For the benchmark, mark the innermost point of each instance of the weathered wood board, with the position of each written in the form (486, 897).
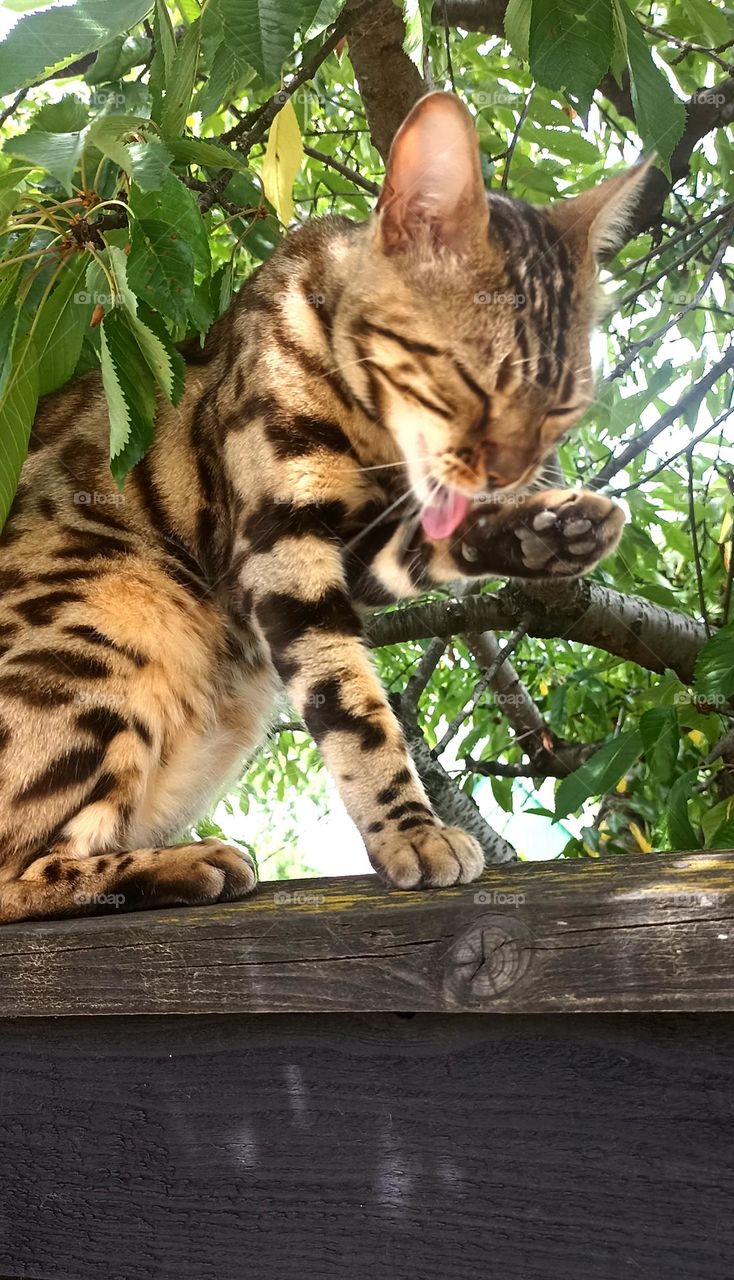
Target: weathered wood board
(647, 933)
(372, 1147)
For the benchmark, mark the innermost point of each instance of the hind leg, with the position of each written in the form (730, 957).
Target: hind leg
(60, 885)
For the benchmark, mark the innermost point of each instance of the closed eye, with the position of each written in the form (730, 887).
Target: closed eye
(441, 410)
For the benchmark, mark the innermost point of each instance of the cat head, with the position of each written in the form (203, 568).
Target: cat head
(466, 329)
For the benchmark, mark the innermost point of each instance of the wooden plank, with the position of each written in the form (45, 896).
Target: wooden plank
(647, 933)
(375, 1147)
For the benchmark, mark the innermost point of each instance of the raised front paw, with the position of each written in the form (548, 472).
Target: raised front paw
(431, 858)
(567, 532)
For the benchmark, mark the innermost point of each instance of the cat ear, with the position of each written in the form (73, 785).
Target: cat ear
(434, 182)
(600, 219)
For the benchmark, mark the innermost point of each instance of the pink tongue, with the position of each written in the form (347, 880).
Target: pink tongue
(444, 513)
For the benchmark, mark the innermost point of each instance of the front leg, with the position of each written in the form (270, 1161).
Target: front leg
(315, 638)
(555, 532)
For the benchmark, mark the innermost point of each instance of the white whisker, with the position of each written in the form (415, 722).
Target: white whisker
(379, 519)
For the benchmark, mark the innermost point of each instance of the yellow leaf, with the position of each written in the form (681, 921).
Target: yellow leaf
(590, 853)
(642, 842)
(283, 159)
(622, 786)
(543, 687)
(726, 528)
(697, 738)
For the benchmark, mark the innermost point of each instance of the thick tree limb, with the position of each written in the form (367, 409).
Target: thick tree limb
(627, 626)
(389, 82)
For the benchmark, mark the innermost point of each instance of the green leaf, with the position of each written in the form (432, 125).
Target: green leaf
(223, 74)
(17, 409)
(517, 26)
(150, 163)
(8, 200)
(598, 774)
(57, 153)
(180, 83)
(164, 45)
(659, 114)
(570, 45)
(160, 269)
(109, 135)
(705, 17)
(681, 834)
(59, 329)
(204, 152)
(129, 388)
(165, 36)
(714, 818)
(261, 32)
(714, 673)
(151, 335)
(44, 41)
(115, 59)
(723, 837)
(177, 207)
(660, 737)
(68, 115)
(164, 361)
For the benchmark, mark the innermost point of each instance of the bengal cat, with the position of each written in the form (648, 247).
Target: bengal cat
(363, 424)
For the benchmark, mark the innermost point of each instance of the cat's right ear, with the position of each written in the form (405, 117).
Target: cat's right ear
(433, 188)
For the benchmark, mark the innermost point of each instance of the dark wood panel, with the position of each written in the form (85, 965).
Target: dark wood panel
(369, 1147)
(641, 934)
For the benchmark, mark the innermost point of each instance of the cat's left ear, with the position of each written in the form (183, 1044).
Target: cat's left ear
(434, 188)
(599, 219)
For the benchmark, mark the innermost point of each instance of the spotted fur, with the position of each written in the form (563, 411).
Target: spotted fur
(445, 342)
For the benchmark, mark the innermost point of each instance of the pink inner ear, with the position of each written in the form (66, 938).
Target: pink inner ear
(434, 177)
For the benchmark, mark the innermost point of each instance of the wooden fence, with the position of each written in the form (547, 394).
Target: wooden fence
(318, 1081)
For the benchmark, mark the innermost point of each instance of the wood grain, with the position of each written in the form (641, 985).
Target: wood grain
(634, 934)
(368, 1147)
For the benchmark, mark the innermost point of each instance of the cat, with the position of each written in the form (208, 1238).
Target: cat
(366, 422)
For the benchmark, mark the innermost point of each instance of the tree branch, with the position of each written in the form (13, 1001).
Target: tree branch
(484, 680)
(628, 626)
(389, 83)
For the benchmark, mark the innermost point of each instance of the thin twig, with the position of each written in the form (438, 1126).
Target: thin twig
(4, 115)
(458, 720)
(689, 401)
(694, 542)
(352, 174)
(515, 136)
(688, 47)
(650, 475)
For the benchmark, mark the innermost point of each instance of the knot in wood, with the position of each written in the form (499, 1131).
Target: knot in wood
(487, 959)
